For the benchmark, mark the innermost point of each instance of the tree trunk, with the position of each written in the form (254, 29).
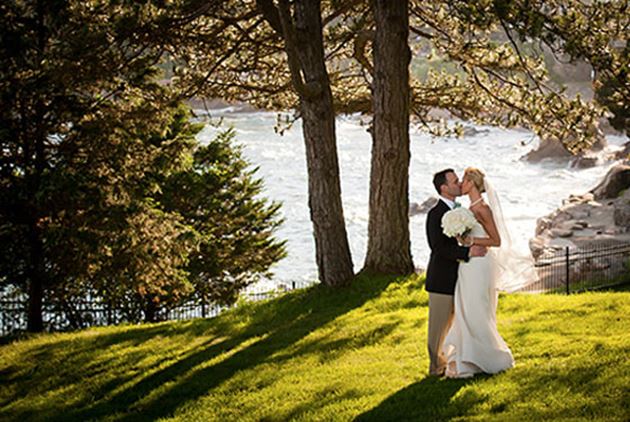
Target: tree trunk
(38, 276)
(34, 171)
(150, 310)
(334, 261)
(389, 250)
(35, 321)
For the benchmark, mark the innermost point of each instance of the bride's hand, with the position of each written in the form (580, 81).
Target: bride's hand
(465, 240)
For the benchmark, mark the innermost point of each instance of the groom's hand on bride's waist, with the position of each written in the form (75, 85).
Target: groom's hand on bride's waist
(477, 250)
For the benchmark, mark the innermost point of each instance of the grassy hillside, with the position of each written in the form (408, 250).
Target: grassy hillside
(318, 354)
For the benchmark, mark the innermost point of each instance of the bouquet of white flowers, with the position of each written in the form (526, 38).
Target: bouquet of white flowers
(458, 222)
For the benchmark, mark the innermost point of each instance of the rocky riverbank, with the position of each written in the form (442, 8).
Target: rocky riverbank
(601, 215)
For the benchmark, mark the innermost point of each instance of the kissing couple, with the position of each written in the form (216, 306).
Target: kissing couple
(464, 274)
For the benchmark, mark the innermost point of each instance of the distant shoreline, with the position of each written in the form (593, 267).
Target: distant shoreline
(242, 107)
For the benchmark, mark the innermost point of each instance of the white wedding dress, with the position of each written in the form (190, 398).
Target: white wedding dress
(473, 344)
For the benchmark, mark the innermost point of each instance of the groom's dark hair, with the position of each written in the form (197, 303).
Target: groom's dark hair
(439, 179)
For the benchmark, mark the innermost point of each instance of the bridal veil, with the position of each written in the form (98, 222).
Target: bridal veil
(515, 269)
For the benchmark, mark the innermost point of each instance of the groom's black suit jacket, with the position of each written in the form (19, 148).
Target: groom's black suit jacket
(445, 254)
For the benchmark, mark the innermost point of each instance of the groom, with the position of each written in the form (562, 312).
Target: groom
(443, 265)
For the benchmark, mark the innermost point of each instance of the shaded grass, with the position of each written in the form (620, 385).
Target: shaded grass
(321, 354)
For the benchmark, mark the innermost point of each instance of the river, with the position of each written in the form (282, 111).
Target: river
(527, 191)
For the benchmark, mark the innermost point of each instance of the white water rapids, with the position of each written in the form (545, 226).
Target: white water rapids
(527, 191)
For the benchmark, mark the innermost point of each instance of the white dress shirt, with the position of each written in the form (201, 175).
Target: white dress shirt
(451, 204)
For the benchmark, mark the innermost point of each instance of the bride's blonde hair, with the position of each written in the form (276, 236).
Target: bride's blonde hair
(476, 176)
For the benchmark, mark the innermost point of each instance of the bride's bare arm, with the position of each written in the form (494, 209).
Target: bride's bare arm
(484, 215)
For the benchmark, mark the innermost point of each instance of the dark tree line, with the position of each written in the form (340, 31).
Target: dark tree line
(103, 189)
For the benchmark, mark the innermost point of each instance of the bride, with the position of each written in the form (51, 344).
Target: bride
(473, 343)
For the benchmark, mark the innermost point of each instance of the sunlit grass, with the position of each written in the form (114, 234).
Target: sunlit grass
(321, 354)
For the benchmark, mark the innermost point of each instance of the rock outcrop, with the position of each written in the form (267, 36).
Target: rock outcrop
(427, 204)
(548, 149)
(552, 148)
(616, 180)
(601, 215)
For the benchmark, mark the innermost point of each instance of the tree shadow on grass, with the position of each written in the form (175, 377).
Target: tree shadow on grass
(276, 325)
(428, 399)
(81, 351)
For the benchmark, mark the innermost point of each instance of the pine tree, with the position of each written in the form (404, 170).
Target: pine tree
(220, 198)
(89, 140)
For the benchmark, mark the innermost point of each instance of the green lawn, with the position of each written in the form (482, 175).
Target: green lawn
(318, 354)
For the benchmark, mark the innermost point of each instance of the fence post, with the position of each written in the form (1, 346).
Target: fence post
(566, 259)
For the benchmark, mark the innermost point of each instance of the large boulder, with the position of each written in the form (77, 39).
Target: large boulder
(584, 161)
(552, 148)
(470, 131)
(537, 246)
(616, 181)
(427, 204)
(548, 149)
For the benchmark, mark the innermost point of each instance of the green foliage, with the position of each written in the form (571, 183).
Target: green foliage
(128, 247)
(593, 31)
(322, 354)
(492, 77)
(220, 198)
(502, 82)
(89, 142)
(78, 94)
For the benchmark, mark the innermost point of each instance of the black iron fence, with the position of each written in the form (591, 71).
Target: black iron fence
(597, 266)
(564, 270)
(89, 312)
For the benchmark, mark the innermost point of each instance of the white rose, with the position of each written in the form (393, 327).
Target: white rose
(458, 222)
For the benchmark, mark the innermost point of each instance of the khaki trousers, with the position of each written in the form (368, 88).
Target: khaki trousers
(440, 320)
